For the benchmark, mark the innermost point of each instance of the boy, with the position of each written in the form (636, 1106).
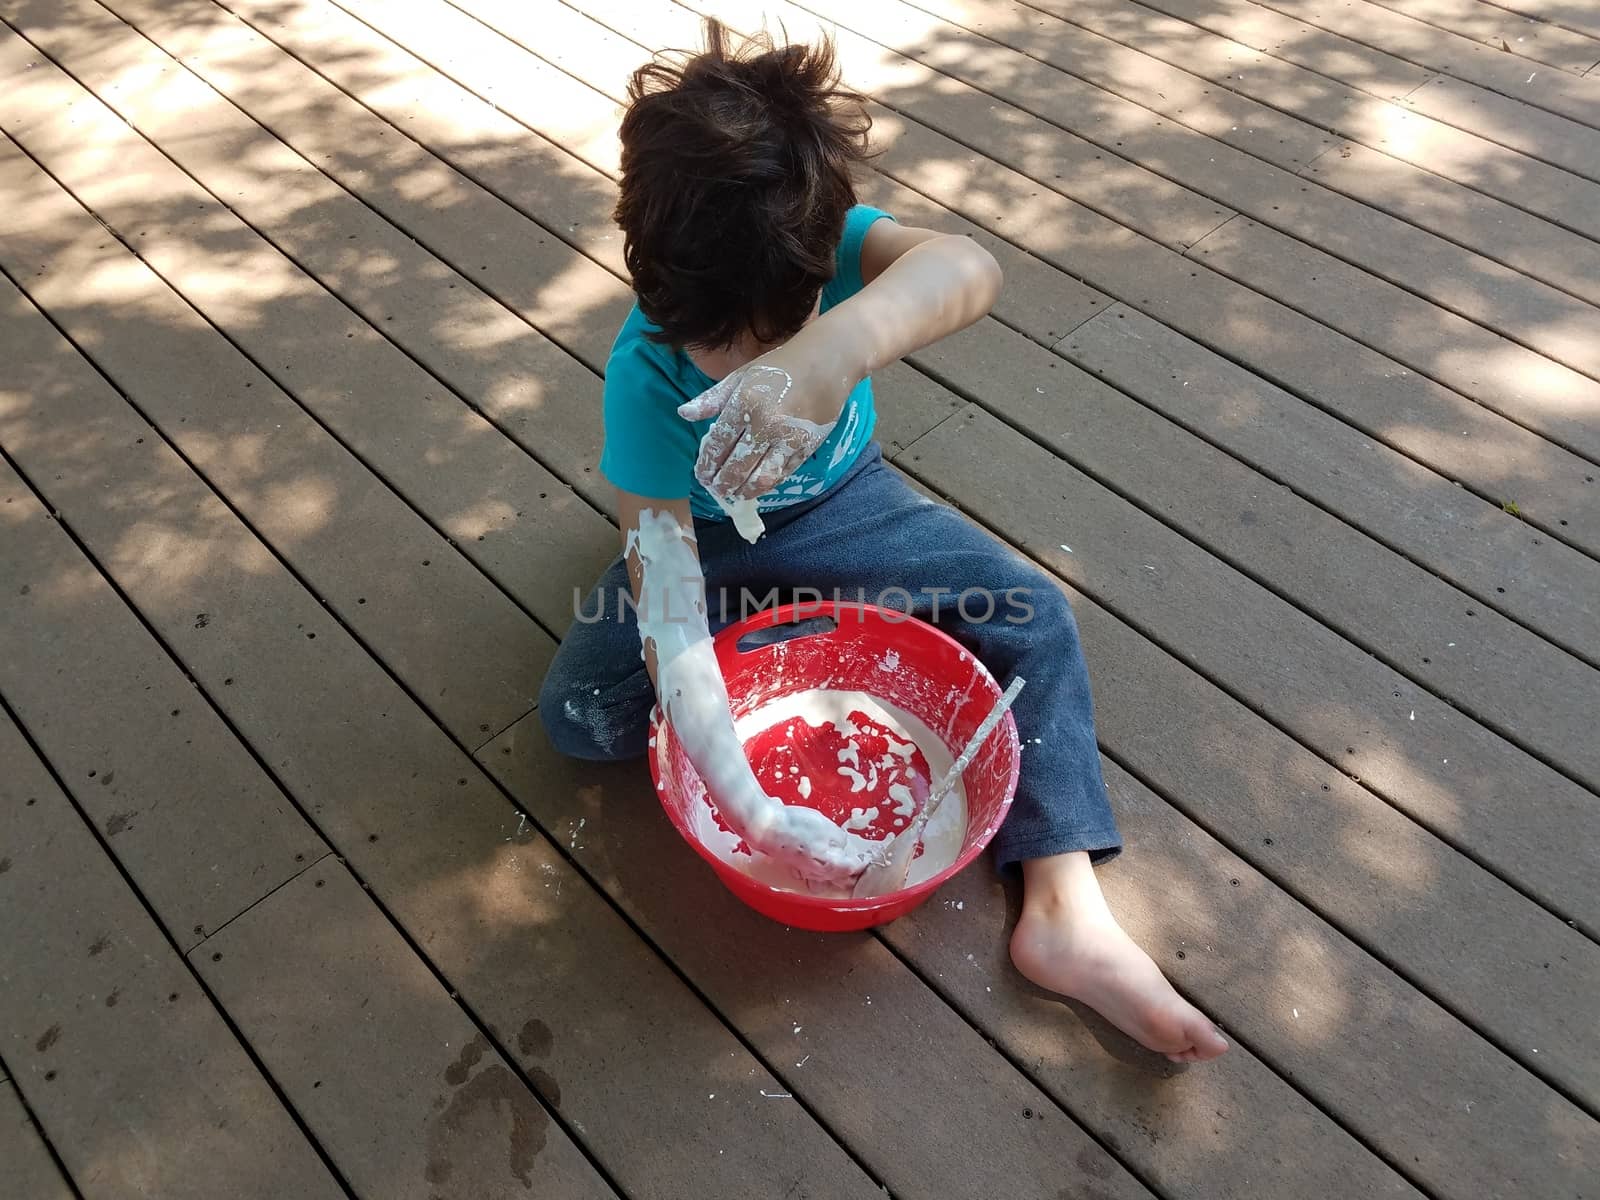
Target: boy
(741, 380)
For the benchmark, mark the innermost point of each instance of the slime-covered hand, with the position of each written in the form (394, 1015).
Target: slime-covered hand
(771, 415)
(813, 846)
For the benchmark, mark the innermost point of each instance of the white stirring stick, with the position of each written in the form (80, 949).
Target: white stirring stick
(890, 875)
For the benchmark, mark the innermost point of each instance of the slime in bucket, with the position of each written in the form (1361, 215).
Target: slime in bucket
(842, 720)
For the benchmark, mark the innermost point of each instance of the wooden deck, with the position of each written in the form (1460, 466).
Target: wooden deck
(1295, 385)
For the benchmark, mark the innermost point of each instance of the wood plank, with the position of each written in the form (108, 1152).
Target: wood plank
(1511, 706)
(1507, 677)
(30, 1171)
(95, 1005)
(1468, 357)
(484, 143)
(402, 1091)
(330, 517)
(158, 768)
(568, 42)
(411, 96)
(1382, 124)
(428, 832)
(150, 764)
(1496, 230)
(1026, 303)
(1420, 514)
(1373, 393)
(1150, 710)
(1478, 363)
(1239, 174)
(543, 18)
(1486, 226)
(1564, 14)
(1548, 137)
(1288, 988)
(1478, 61)
(829, 1003)
(1393, 888)
(1098, 68)
(1541, 135)
(505, 511)
(1363, 388)
(547, 407)
(1119, 187)
(475, 344)
(567, 298)
(1192, 740)
(1328, 695)
(1541, 35)
(442, 852)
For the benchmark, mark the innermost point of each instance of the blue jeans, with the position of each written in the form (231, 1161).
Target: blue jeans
(872, 531)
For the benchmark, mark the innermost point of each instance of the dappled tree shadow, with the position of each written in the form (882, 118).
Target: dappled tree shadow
(424, 280)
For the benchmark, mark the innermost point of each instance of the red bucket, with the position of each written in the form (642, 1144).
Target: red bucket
(887, 655)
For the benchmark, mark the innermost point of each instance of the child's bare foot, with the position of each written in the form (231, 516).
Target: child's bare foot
(1067, 941)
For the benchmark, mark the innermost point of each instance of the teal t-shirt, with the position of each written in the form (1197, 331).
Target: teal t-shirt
(650, 450)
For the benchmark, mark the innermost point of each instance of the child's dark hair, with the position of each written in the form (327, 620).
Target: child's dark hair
(736, 178)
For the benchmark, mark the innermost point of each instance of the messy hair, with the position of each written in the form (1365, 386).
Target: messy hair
(736, 177)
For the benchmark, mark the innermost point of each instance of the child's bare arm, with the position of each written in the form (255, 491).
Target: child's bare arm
(920, 286)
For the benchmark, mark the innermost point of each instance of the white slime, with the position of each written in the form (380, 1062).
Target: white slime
(672, 621)
(746, 517)
(947, 828)
(890, 876)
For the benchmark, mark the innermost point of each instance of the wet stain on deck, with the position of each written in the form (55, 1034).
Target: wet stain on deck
(535, 1038)
(494, 1092)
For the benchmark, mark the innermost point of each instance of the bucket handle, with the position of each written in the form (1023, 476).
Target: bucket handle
(836, 612)
(824, 623)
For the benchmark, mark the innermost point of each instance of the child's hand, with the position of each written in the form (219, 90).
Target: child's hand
(771, 414)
